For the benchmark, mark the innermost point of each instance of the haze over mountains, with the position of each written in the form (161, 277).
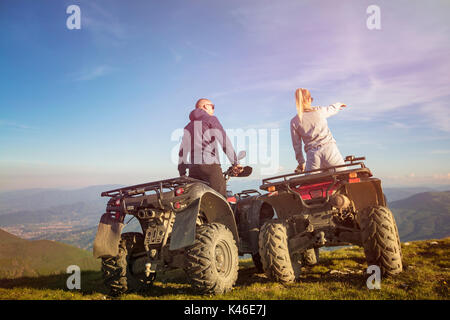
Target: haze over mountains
(71, 216)
(36, 199)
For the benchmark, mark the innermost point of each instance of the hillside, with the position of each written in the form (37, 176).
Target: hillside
(340, 275)
(19, 257)
(423, 216)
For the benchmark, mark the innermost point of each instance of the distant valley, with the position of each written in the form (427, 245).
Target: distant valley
(71, 216)
(38, 213)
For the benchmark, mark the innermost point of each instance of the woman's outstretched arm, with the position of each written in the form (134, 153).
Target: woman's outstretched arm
(331, 110)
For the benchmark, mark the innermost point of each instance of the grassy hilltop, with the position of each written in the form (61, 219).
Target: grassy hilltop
(25, 258)
(340, 274)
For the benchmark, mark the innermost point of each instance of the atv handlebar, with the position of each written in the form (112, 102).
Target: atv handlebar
(231, 171)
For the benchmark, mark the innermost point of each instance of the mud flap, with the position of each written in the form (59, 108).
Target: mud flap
(106, 243)
(183, 232)
(254, 225)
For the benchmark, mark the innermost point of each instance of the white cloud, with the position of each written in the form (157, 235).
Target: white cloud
(92, 73)
(404, 65)
(441, 151)
(437, 114)
(416, 180)
(399, 125)
(176, 56)
(15, 125)
(104, 26)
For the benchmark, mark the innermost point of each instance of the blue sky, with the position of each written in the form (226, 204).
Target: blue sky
(99, 105)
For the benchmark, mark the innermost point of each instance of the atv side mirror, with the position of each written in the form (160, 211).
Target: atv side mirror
(349, 158)
(241, 155)
(353, 158)
(246, 172)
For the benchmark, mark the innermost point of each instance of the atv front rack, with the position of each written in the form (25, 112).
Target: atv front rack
(317, 175)
(156, 186)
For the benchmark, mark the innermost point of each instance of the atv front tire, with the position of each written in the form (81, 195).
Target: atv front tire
(311, 257)
(274, 251)
(212, 261)
(117, 275)
(380, 240)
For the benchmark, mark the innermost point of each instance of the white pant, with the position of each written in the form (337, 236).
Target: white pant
(324, 156)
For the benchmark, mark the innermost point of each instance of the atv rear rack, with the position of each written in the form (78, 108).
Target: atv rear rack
(156, 186)
(248, 193)
(329, 173)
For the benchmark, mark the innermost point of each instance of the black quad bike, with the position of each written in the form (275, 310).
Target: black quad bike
(334, 206)
(185, 223)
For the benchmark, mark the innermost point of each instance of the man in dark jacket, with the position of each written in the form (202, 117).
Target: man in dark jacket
(200, 139)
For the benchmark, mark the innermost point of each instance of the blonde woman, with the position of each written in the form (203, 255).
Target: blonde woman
(310, 127)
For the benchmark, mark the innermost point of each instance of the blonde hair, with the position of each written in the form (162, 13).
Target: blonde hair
(301, 97)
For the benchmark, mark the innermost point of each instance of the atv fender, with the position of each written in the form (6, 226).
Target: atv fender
(285, 204)
(183, 232)
(214, 207)
(106, 243)
(366, 194)
(250, 211)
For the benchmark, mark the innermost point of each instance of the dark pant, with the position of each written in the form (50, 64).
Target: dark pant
(211, 173)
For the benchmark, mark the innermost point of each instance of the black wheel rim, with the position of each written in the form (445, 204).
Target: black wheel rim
(223, 256)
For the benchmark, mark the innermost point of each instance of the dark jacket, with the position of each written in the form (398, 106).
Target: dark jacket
(200, 139)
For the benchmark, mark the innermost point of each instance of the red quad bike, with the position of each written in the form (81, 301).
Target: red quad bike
(333, 206)
(185, 224)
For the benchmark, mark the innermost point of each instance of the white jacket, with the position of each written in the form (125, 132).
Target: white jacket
(312, 129)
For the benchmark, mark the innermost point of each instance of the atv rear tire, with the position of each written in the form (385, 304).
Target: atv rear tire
(380, 240)
(274, 251)
(117, 275)
(212, 261)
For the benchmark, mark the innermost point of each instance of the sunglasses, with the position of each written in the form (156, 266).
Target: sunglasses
(209, 104)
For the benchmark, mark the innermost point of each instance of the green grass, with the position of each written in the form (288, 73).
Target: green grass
(426, 276)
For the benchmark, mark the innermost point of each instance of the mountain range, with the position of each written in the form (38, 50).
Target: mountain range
(423, 216)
